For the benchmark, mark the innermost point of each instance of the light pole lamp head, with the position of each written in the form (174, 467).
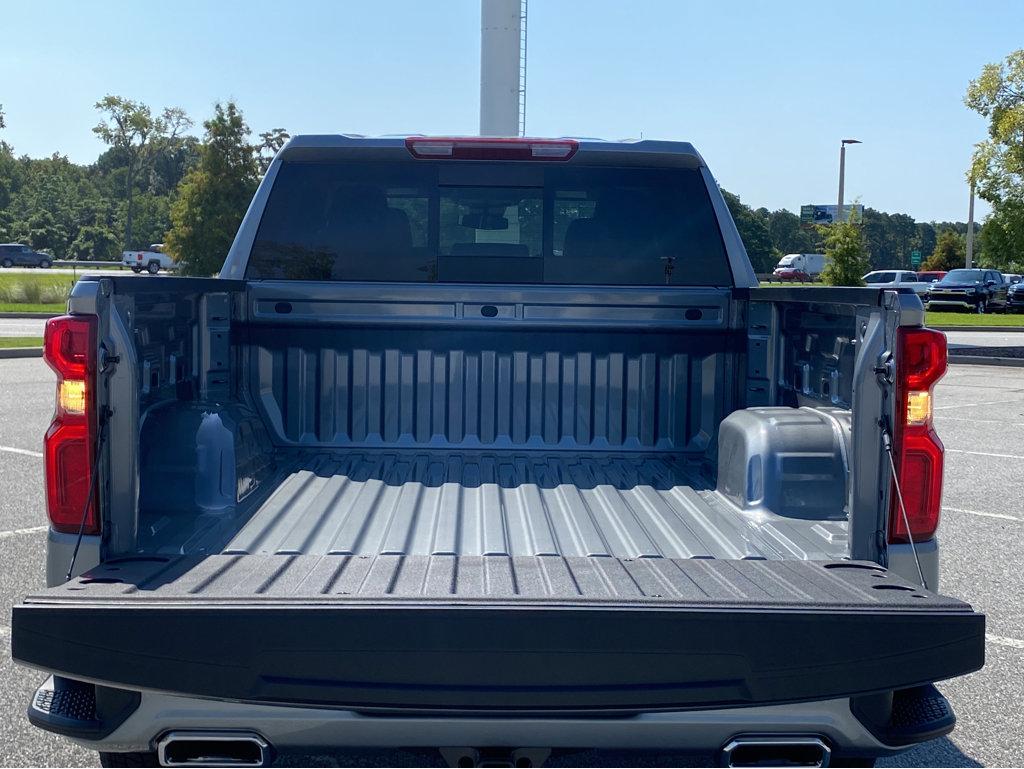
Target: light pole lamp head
(852, 141)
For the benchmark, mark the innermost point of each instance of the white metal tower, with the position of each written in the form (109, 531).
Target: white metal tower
(502, 67)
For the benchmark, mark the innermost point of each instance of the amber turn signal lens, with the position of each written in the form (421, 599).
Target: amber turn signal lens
(72, 396)
(919, 407)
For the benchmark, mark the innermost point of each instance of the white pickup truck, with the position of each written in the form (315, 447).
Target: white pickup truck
(152, 260)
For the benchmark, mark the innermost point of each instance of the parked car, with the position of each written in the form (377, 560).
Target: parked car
(152, 261)
(1011, 279)
(436, 481)
(930, 276)
(896, 279)
(811, 264)
(791, 274)
(976, 290)
(18, 255)
(1015, 297)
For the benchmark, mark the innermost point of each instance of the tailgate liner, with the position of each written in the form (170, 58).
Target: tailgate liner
(534, 634)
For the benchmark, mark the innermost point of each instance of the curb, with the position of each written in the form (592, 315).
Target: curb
(29, 315)
(21, 352)
(981, 360)
(994, 329)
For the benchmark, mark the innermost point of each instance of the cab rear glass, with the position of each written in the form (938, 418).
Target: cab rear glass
(469, 222)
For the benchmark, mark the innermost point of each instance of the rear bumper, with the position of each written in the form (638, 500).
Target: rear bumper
(292, 730)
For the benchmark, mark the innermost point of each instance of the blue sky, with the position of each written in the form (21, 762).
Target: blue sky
(764, 89)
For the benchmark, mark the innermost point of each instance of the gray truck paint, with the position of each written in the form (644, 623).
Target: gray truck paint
(582, 400)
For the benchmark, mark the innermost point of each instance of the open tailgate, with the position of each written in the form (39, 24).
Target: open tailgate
(496, 633)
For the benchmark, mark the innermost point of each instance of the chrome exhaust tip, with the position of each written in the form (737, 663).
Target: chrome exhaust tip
(200, 748)
(776, 751)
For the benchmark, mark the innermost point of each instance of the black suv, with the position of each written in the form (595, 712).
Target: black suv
(976, 290)
(17, 255)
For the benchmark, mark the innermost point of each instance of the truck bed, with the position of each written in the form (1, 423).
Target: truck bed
(387, 502)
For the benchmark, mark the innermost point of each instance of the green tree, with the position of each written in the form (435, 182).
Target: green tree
(998, 163)
(213, 196)
(130, 128)
(270, 144)
(846, 256)
(789, 237)
(950, 252)
(1002, 237)
(753, 229)
(926, 237)
(127, 126)
(94, 241)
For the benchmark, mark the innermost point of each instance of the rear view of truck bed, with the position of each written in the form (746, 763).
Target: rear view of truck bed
(472, 429)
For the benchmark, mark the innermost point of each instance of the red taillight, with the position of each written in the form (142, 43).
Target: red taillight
(490, 148)
(917, 450)
(69, 347)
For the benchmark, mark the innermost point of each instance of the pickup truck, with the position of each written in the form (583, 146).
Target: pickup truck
(495, 447)
(974, 290)
(151, 260)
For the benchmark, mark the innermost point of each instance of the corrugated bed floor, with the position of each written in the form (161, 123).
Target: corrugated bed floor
(518, 504)
(326, 578)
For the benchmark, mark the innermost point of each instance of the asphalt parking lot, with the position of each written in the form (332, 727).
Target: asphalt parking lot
(979, 415)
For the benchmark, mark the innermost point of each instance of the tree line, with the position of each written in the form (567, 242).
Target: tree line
(157, 182)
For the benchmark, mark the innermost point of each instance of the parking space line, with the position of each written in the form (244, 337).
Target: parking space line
(972, 405)
(984, 454)
(1013, 643)
(1002, 422)
(15, 532)
(1001, 516)
(24, 452)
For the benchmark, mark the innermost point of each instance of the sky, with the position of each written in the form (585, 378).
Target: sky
(765, 90)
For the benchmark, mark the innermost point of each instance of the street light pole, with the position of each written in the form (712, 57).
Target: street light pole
(842, 174)
(970, 229)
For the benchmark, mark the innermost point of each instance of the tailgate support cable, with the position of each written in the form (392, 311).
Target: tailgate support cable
(91, 495)
(108, 362)
(887, 442)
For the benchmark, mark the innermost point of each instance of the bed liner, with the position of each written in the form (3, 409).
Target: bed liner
(473, 502)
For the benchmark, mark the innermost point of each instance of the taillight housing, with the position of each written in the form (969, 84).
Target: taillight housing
(69, 348)
(490, 148)
(917, 451)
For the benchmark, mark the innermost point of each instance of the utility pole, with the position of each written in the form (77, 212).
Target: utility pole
(970, 229)
(842, 174)
(502, 40)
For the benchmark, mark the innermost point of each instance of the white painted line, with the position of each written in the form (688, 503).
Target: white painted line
(972, 405)
(1002, 422)
(984, 454)
(15, 532)
(984, 514)
(5, 632)
(24, 452)
(1013, 643)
